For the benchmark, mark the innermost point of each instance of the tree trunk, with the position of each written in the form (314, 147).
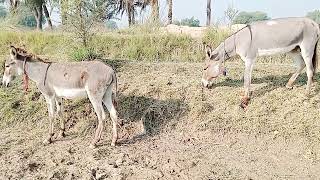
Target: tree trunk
(208, 12)
(64, 11)
(155, 10)
(38, 16)
(133, 18)
(129, 18)
(14, 5)
(46, 13)
(170, 12)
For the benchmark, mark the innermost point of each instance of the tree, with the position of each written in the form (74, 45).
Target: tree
(128, 7)
(231, 13)
(192, 22)
(63, 11)
(25, 17)
(154, 8)
(14, 6)
(314, 15)
(169, 11)
(47, 15)
(111, 25)
(82, 15)
(3, 12)
(248, 17)
(208, 12)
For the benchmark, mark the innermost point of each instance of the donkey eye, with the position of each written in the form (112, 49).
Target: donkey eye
(206, 67)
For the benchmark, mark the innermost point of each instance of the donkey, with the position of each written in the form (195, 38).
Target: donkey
(296, 36)
(58, 81)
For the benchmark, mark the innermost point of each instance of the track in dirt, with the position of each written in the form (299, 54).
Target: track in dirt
(177, 130)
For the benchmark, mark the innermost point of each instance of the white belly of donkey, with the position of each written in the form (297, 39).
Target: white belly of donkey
(70, 93)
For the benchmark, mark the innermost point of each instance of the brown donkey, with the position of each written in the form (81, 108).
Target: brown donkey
(56, 81)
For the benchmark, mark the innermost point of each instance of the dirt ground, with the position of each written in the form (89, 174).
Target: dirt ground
(174, 129)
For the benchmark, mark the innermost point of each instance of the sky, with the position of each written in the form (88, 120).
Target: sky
(197, 8)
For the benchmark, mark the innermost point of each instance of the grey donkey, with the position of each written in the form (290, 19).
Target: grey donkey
(58, 81)
(297, 36)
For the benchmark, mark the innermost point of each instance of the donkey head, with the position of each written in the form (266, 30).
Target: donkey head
(213, 67)
(13, 66)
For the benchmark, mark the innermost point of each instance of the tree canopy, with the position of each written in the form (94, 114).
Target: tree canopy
(314, 15)
(3, 12)
(192, 22)
(249, 17)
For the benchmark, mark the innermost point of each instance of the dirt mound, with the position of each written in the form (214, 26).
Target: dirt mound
(173, 129)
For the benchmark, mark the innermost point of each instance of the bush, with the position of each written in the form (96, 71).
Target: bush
(142, 46)
(191, 22)
(249, 17)
(314, 15)
(3, 12)
(84, 54)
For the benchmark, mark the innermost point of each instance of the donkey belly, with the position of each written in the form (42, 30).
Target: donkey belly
(70, 93)
(272, 51)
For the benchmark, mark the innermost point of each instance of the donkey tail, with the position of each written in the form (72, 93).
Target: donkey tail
(315, 58)
(115, 81)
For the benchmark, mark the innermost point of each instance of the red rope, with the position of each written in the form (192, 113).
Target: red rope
(25, 82)
(25, 77)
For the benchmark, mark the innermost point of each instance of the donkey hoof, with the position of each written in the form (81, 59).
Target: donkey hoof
(92, 146)
(47, 141)
(289, 87)
(243, 106)
(113, 143)
(244, 103)
(61, 135)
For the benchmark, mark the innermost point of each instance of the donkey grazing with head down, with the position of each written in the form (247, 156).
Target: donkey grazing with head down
(56, 81)
(297, 36)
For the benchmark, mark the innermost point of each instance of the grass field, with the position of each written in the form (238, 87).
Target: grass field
(173, 128)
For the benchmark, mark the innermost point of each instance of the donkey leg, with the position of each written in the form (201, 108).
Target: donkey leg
(300, 66)
(307, 55)
(59, 113)
(98, 108)
(310, 73)
(107, 100)
(247, 82)
(51, 104)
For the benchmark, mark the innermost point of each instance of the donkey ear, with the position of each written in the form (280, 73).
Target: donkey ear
(13, 51)
(208, 51)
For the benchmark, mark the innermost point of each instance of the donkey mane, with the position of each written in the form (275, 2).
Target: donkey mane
(30, 57)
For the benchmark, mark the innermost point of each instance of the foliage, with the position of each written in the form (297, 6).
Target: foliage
(139, 46)
(111, 25)
(231, 13)
(83, 14)
(84, 54)
(192, 22)
(249, 17)
(28, 20)
(314, 15)
(3, 12)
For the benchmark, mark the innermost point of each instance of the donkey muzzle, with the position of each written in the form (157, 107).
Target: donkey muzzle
(205, 83)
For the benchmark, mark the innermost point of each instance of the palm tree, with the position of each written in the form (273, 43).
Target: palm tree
(169, 11)
(208, 12)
